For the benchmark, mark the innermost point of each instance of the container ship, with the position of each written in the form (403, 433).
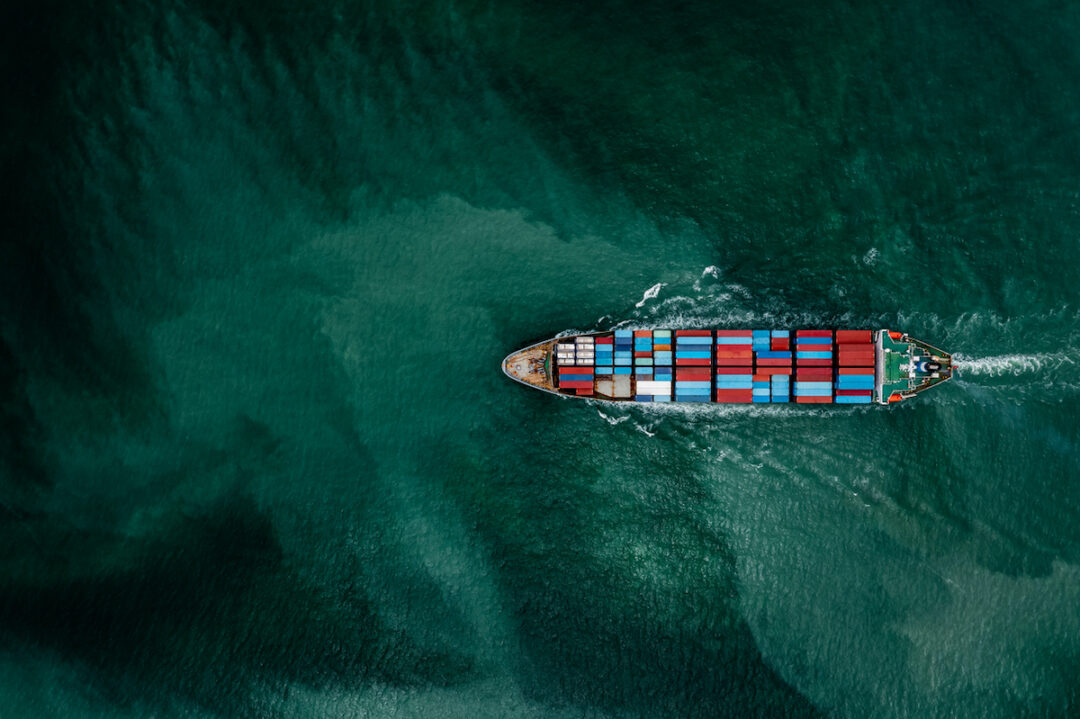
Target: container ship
(807, 366)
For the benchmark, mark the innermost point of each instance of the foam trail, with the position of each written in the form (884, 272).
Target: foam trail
(650, 293)
(1015, 364)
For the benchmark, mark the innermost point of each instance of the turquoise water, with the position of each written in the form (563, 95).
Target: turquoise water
(263, 261)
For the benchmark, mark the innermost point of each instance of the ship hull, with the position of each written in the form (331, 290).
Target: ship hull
(724, 366)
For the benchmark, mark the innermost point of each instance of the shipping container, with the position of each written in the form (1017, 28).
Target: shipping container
(814, 400)
(854, 336)
(866, 399)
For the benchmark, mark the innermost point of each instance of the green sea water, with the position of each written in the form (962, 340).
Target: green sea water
(261, 262)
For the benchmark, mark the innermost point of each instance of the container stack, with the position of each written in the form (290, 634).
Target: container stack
(662, 361)
(643, 365)
(734, 357)
(774, 363)
(855, 381)
(624, 351)
(662, 349)
(692, 384)
(780, 391)
(813, 366)
(692, 348)
(579, 379)
(605, 355)
(564, 353)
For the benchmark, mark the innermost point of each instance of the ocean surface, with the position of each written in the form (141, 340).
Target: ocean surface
(260, 264)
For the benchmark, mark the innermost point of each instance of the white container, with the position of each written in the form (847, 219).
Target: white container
(653, 387)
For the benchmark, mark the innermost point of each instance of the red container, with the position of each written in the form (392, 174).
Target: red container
(693, 333)
(813, 400)
(733, 395)
(581, 391)
(768, 371)
(575, 370)
(814, 363)
(765, 362)
(806, 373)
(813, 333)
(856, 370)
(605, 340)
(735, 333)
(576, 384)
(854, 392)
(734, 353)
(857, 362)
(854, 336)
(658, 348)
(689, 372)
(692, 362)
(733, 370)
(748, 347)
(780, 344)
(643, 354)
(643, 333)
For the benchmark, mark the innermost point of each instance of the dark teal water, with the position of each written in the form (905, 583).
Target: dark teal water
(261, 262)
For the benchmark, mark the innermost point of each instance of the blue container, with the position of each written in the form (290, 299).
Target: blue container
(761, 392)
(692, 398)
(758, 399)
(850, 399)
(661, 333)
(643, 373)
(661, 398)
(813, 355)
(603, 370)
(624, 333)
(733, 385)
(813, 385)
(761, 333)
(734, 340)
(692, 384)
(693, 340)
(692, 391)
(813, 340)
(622, 361)
(623, 353)
(844, 383)
(622, 370)
(684, 354)
(774, 354)
(812, 392)
(643, 361)
(780, 398)
(643, 398)
(781, 333)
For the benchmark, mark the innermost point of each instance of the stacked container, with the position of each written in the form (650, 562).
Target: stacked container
(643, 359)
(813, 366)
(761, 383)
(692, 384)
(856, 352)
(662, 360)
(564, 353)
(605, 354)
(579, 379)
(780, 391)
(734, 357)
(624, 351)
(692, 348)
